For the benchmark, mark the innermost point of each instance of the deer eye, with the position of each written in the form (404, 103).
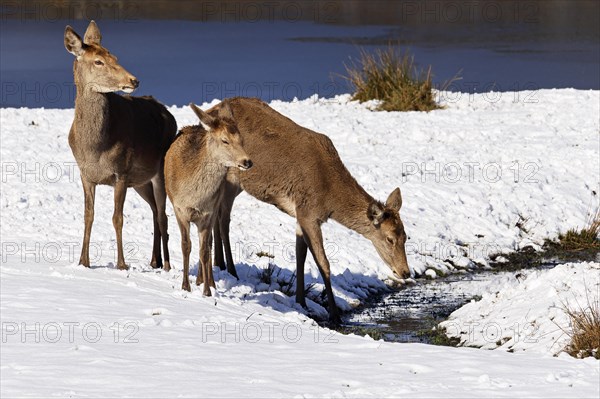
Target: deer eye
(98, 62)
(390, 240)
(225, 141)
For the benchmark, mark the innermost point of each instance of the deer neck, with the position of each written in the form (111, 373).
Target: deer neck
(91, 116)
(351, 209)
(91, 108)
(210, 172)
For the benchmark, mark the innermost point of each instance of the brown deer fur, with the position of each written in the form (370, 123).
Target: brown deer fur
(117, 140)
(195, 168)
(300, 172)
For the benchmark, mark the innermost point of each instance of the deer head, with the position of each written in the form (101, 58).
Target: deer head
(95, 68)
(389, 236)
(224, 139)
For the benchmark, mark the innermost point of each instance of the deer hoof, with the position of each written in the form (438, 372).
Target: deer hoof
(186, 286)
(156, 265)
(166, 266)
(233, 273)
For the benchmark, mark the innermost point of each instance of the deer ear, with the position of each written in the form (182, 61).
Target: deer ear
(394, 201)
(375, 213)
(73, 42)
(206, 120)
(92, 34)
(226, 111)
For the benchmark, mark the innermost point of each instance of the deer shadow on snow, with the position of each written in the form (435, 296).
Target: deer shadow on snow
(275, 287)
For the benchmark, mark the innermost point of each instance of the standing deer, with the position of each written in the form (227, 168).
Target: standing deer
(300, 172)
(117, 140)
(195, 168)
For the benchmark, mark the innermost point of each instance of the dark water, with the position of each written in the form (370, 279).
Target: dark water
(184, 51)
(409, 314)
(405, 315)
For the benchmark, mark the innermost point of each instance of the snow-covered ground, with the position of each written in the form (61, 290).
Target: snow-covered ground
(492, 172)
(107, 333)
(526, 312)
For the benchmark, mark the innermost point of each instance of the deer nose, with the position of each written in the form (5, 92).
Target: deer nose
(247, 164)
(134, 82)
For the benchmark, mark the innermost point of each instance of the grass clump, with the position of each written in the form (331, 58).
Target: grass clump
(574, 245)
(574, 240)
(585, 329)
(394, 79)
(438, 336)
(267, 274)
(273, 274)
(288, 285)
(584, 239)
(263, 254)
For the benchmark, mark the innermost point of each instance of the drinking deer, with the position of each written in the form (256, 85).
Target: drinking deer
(195, 167)
(300, 172)
(117, 140)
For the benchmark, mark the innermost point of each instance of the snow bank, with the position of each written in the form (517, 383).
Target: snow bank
(526, 312)
(466, 173)
(469, 174)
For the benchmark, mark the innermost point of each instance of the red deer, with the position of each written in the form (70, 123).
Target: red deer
(300, 172)
(117, 140)
(195, 168)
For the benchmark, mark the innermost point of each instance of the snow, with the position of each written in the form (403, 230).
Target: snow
(171, 343)
(527, 312)
(466, 174)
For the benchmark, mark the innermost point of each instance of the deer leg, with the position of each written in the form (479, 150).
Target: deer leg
(314, 239)
(120, 192)
(186, 247)
(200, 274)
(301, 250)
(231, 191)
(225, 220)
(147, 193)
(160, 195)
(219, 259)
(205, 267)
(89, 193)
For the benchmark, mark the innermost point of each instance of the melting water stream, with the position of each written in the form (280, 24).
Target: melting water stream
(409, 314)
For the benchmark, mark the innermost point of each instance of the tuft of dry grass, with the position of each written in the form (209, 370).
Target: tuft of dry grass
(266, 276)
(585, 329)
(273, 274)
(288, 285)
(394, 79)
(585, 239)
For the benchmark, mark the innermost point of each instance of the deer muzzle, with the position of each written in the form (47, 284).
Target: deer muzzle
(133, 84)
(245, 165)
